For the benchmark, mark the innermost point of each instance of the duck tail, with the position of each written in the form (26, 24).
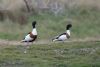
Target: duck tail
(54, 39)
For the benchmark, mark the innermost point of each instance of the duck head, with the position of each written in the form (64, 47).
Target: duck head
(33, 24)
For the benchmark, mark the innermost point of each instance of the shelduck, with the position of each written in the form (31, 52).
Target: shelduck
(63, 36)
(31, 36)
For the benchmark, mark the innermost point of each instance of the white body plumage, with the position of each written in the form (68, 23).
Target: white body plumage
(62, 38)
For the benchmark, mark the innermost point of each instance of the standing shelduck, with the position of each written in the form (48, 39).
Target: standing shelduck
(63, 36)
(31, 36)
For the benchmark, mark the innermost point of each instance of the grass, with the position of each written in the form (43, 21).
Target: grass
(85, 23)
(78, 54)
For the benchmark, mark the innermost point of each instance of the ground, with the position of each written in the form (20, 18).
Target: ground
(45, 53)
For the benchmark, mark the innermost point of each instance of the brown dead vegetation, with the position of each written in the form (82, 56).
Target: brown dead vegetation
(19, 10)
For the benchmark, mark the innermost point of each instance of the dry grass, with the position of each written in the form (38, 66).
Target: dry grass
(14, 5)
(16, 10)
(13, 10)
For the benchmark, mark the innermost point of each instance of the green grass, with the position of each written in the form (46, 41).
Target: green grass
(85, 23)
(76, 54)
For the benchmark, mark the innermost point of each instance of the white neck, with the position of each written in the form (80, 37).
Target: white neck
(68, 32)
(34, 31)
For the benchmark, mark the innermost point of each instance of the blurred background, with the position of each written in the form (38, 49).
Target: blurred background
(52, 16)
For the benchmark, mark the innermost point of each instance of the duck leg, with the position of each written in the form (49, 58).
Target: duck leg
(27, 46)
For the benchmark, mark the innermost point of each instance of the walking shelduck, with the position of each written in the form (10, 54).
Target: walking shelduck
(30, 37)
(63, 36)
